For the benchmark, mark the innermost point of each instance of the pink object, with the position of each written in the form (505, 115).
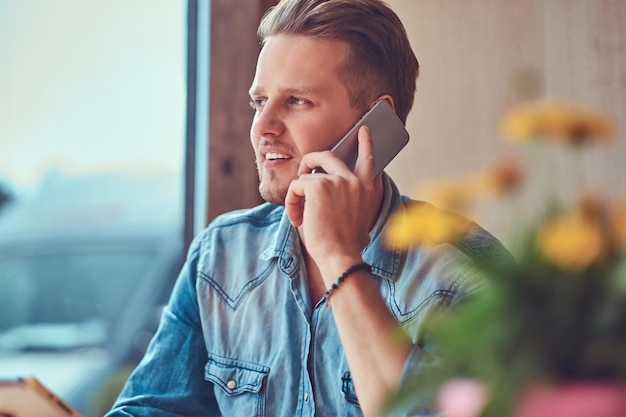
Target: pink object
(574, 400)
(462, 398)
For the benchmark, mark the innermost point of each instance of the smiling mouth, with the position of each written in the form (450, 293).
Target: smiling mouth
(273, 156)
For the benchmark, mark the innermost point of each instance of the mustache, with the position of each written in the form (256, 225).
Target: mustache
(274, 143)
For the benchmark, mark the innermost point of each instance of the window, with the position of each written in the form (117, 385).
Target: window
(92, 141)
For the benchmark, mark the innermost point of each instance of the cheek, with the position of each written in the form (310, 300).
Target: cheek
(339, 124)
(320, 136)
(332, 136)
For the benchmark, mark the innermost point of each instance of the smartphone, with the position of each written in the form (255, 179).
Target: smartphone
(388, 134)
(27, 397)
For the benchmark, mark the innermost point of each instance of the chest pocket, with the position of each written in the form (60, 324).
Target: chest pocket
(238, 386)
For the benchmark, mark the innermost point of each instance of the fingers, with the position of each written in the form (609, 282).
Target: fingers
(330, 163)
(364, 167)
(327, 160)
(333, 166)
(294, 203)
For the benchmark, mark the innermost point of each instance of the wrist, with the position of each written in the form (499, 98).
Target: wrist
(347, 274)
(333, 266)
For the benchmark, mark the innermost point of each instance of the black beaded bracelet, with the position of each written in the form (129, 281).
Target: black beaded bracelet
(356, 267)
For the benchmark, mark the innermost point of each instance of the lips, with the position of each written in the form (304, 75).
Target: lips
(271, 156)
(274, 153)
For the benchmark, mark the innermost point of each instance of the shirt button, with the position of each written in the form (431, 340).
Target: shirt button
(306, 396)
(231, 384)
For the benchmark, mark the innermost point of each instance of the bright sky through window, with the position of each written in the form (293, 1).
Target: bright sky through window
(90, 85)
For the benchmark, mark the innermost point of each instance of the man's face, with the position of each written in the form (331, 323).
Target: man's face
(300, 106)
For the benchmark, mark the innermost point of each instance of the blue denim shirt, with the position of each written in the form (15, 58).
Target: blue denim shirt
(241, 337)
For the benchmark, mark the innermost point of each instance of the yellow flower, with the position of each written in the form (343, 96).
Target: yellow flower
(425, 223)
(572, 242)
(557, 121)
(619, 224)
(593, 205)
(451, 194)
(500, 178)
(460, 193)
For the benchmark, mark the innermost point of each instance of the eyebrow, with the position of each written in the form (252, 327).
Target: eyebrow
(288, 91)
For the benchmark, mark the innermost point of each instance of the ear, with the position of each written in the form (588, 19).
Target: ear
(389, 100)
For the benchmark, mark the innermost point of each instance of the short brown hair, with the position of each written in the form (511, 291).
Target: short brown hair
(380, 61)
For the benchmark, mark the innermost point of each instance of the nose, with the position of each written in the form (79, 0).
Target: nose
(267, 121)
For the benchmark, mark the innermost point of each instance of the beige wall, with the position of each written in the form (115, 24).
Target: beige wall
(470, 51)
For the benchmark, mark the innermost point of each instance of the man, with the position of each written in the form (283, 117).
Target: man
(254, 326)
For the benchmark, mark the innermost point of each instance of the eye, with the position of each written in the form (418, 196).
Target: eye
(298, 101)
(257, 103)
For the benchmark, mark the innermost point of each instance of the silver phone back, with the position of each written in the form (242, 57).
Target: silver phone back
(388, 133)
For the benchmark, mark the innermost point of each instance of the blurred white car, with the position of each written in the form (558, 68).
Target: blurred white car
(86, 265)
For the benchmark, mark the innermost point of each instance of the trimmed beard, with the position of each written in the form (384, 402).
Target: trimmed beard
(273, 196)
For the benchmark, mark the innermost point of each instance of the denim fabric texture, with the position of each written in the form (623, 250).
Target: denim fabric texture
(241, 337)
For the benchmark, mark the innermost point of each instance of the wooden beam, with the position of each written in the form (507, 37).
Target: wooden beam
(233, 179)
